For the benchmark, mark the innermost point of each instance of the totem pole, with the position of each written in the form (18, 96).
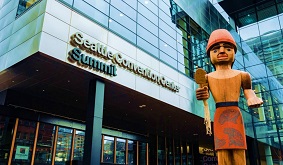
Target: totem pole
(225, 85)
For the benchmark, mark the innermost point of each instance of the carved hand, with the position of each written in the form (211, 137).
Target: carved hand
(202, 93)
(254, 102)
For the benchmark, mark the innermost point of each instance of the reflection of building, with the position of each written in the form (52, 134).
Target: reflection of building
(259, 24)
(86, 71)
(271, 51)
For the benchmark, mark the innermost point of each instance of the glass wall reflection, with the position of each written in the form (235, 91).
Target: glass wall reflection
(63, 146)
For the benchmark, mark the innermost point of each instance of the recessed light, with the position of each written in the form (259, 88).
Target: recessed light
(37, 70)
(146, 2)
(121, 14)
(142, 106)
(110, 20)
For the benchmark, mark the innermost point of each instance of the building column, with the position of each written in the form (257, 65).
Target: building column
(93, 133)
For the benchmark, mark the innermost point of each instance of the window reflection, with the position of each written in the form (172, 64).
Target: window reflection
(147, 46)
(79, 145)
(147, 13)
(269, 25)
(169, 151)
(117, 27)
(148, 36)
(44, 144)
(132, 147)
(142, 153)
(161, 151)
(122, 19)
(249, 32)
(91, 12)
(147, 24)
(6, 133)
(24, 5)
(24, 142)
(121, 151)
(125, 8)
(63, 146)
(108, 150)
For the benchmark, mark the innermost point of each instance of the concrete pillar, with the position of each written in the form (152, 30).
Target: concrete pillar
(92, 144)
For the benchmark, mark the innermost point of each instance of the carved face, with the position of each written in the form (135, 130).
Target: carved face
(222, 53)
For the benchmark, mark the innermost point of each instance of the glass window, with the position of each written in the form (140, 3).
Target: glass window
(147, 13)
(24, 142)
(132, 152)
(161, 151)
(167, 59)
(142, 153)
(99, 5)
(169, 150)
(147, 24)
(165, 27)
(249, 32)
(79, 145)
(150, 6)
(126, 33)
(125, 9)
(91, 12)
(63, 146)
(123, 19)
(6, 133)
(165, 7)
(148, 47)
(269, 25)
(165, 47)
(24, 5)
(132, 3)
(45, 139)
(146, 35)
(121, 151)
(168, 19)
(108, 150)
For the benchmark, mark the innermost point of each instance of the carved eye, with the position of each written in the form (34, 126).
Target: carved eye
(229, 49)
(215, 51)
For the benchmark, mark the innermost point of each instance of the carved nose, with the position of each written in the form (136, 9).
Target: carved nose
(221, 49)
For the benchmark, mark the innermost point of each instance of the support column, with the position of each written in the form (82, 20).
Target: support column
(92, 144)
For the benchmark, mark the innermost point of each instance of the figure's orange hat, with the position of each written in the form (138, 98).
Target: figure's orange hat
(220, 35)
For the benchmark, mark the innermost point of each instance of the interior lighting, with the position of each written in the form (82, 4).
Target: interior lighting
(142, 106)
(146, 2)
(110, 20)
(121, 14)
(165, 45)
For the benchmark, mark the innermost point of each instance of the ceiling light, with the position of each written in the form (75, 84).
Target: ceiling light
(110, 20)
(121, 14)
(146, 2)
(142, 106)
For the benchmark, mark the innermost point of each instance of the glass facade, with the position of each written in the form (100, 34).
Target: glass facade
(160, 28)
(260, 31)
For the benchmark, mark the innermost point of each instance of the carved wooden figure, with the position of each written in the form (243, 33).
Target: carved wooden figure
(225, 85)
